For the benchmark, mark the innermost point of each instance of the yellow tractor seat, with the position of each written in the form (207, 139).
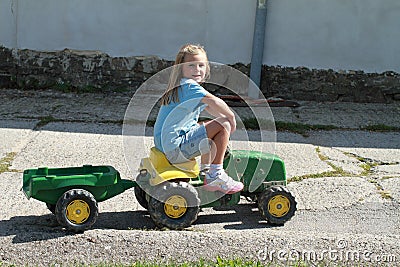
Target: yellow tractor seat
(162, 170)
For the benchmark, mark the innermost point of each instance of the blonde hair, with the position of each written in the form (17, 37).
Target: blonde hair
(171, 94)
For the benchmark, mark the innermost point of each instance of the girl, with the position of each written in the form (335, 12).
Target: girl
(177, 132)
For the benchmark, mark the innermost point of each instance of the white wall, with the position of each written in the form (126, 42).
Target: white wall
(337, 34)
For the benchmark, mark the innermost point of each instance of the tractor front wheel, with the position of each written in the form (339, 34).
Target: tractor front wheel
(277, 205)
(76, 210)
(174, 205)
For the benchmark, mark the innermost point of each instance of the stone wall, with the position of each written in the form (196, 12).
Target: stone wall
(95, 71)
(71, 69)
(328, 85)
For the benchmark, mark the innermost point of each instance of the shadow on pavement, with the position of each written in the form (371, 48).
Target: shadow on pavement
(238, 217)
(45, 227)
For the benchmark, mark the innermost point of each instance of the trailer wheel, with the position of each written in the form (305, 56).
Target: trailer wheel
(277, 205)
(76, 210)
(174, 205)
(140, 195)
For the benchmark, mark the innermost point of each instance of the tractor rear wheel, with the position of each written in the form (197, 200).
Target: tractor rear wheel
(76, 210)
(140, 195)
(174, 205)
(51, 207)
(277, 205)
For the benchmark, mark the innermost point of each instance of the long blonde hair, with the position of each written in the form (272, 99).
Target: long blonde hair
(171, 94)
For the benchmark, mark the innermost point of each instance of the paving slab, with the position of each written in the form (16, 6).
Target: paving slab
(354, 139)
(377, 155)
(392, 185)
(341, 114)
(14, 202)
(14, 134)
(59, 105)
(348, 164)
(329, 192)
(69, 148)
(386, 170)
(301, 159)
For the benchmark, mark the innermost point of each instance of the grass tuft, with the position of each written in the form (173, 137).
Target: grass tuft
(6, 162)
(337, 171)
(381, 128)
(302, 129)
(45, 120)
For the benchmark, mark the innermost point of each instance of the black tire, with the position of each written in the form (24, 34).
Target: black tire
(140, 195)
(51, 207)
(277, 205)
(174, 205)
(76, 210)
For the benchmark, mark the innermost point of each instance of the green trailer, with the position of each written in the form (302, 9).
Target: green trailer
(72, 193)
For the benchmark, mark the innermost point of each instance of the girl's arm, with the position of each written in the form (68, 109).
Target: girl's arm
(218, 108)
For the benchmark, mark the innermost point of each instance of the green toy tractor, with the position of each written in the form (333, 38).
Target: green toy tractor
(172, 194)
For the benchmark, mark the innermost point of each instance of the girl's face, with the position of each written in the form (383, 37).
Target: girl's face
(195, 67)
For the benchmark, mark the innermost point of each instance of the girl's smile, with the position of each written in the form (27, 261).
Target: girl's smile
(195, 67)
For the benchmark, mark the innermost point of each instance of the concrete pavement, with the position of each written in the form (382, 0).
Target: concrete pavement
(346, 181)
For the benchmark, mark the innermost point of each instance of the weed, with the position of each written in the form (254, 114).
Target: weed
(219, 262)
(366, 169)
(63, 87)
(381, 128)
(320, 155)
(388, 177)
(337, 172)
(44, 121)
(384, 193)
(150, 123)
(6, 162)
(302, 129)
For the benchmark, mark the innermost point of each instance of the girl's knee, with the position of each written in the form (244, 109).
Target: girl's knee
(225, 125)
(217, 127)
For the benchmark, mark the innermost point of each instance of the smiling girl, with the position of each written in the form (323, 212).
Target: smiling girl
(177, 132)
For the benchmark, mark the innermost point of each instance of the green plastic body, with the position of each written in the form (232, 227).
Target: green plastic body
(48, 184)
(256, 170)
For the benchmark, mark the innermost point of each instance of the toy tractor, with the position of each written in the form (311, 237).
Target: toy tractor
(172, 194)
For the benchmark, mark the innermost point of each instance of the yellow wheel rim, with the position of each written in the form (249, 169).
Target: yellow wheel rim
(78, 211)
(175, 206)
(278, 206)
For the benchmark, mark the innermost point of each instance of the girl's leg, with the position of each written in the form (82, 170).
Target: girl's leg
(218, 131)
(216, 179)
